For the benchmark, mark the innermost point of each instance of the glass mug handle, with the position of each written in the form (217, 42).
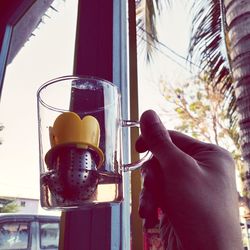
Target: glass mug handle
(137, 164)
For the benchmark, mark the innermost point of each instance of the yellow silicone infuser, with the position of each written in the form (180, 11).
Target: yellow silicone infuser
(69, 128)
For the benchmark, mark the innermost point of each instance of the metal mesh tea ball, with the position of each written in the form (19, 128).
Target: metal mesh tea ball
(73, 173)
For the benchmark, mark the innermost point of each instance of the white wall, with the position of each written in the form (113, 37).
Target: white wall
(27, 205)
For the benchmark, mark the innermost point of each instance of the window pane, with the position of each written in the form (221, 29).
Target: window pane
(49, 235)
(14, 235)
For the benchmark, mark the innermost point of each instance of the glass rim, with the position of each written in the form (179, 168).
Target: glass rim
(66, 78)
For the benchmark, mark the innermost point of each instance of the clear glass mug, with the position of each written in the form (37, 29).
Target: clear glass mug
(80, 142)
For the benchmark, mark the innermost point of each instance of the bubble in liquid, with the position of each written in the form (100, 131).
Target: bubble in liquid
(78, 84)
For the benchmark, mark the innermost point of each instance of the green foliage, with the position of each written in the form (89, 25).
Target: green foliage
(11, 207)
(209, 48)
(201, 111)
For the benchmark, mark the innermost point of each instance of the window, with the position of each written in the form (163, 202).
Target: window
(49, 235)
(23, 203)
(14, 235)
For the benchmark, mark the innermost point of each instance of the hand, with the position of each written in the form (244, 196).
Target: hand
(194, 184)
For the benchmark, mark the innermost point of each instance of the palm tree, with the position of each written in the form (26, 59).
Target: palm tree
(220, 25)
(220, 41)
(146, 14)
(238, 23)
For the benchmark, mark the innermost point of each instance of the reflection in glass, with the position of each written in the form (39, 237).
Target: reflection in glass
(49, 235)
(14, 235)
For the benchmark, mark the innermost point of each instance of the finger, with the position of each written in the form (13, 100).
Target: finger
(148, 198)
(184, 142)
(141, 145)
(150, 195)
(188, 144)
(157, 138)
(152, 221)
(148, 209)
(152, 176)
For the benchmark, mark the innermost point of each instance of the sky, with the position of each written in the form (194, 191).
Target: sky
(34, 64)
(49, 54)
(174, 32)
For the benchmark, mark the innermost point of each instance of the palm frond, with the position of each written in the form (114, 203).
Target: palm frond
(207, 46)
(146, 13)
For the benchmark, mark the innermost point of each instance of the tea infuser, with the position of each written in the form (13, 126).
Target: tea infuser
(74, 158)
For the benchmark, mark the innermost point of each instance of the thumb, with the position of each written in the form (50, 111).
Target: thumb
(156, 136)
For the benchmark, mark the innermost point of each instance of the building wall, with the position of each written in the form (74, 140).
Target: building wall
(27, 205)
